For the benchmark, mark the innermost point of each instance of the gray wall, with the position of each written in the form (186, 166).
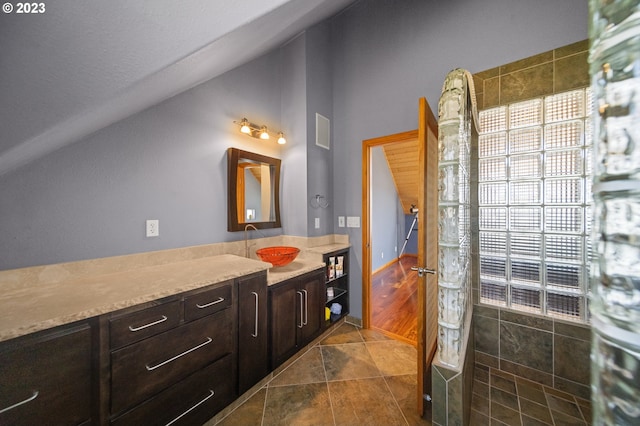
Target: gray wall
(294, 155)
(91, 199)
(319, 100)
(384, 211)
(387, 53)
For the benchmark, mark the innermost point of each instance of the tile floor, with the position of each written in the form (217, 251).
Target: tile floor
(500, 398)
(352, 377)
(361, 377)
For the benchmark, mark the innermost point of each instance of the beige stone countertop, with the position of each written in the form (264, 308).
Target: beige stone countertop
(299, 266)
(329, 248)
(309, 260)
(33, 308)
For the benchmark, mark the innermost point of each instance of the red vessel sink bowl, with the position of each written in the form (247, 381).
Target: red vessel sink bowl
(278, 255)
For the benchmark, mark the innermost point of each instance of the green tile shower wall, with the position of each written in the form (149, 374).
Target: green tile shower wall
(557, 70)
(546, 351)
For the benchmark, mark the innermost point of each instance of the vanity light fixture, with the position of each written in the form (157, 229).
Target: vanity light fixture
(263, 133)
(258, 132)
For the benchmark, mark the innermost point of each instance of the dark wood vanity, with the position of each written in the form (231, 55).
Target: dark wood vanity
(177, 359)
(170, 361)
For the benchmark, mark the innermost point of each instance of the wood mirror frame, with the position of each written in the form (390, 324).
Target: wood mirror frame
(237, 162)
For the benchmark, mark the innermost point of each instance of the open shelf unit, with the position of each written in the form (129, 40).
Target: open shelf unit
(337, 283)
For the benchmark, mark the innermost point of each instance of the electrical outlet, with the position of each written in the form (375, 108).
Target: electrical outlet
(340, 221)
(317, 223)
(153, 227)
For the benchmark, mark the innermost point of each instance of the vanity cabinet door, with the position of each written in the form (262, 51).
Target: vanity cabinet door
(253, 358)
(284, 314)
(313, 290)
(296, 309)
(47, 379)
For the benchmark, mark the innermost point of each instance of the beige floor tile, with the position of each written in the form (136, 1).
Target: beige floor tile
(306, 369)
(345, 333)
(349, 361)
(394, 358)
(300, 405)
(364, 402)
(372, 335)
(404, 390)
(249, 413)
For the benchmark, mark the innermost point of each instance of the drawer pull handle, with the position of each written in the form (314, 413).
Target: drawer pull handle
(31, 398)
(151, 324)
(255, 325)
(153, 367)
(306, 307)
(211, 393)
(301, 309)
(206, 305)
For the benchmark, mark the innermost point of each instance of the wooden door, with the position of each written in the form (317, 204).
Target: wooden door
(427, 249)
(427, 152)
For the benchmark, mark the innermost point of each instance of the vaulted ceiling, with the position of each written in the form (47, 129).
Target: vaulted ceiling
(402, 158)
(83, 65)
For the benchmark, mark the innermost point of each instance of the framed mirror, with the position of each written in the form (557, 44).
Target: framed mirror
(253, 189)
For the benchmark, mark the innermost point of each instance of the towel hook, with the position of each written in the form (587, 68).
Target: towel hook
(317, 202)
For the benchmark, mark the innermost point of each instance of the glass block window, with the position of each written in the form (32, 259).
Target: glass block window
(534, 195)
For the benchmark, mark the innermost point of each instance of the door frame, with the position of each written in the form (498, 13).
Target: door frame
(367, 145)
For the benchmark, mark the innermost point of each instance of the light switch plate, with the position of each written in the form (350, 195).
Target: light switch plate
(340, 221)
(317, 223)
(353, 221)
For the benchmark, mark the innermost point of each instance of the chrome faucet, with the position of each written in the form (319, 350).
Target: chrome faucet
(246, 238)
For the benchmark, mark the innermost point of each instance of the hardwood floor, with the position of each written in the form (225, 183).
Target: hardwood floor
(394, 300)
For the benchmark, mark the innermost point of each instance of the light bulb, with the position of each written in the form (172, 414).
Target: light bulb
(281, 139)
(244, 127)
(263, 133)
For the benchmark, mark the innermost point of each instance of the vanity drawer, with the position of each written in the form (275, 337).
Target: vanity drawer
(133, 327)
(192, 401)
(208, 302)
(143, 369)
(47, 380)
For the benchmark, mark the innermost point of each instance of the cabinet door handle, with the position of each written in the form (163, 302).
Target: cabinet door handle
(17, 404)
(301, 309)
(206, 305)
(153, 367)
(211, 393)
(306, 308)
(142, 327)
(255, 326)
